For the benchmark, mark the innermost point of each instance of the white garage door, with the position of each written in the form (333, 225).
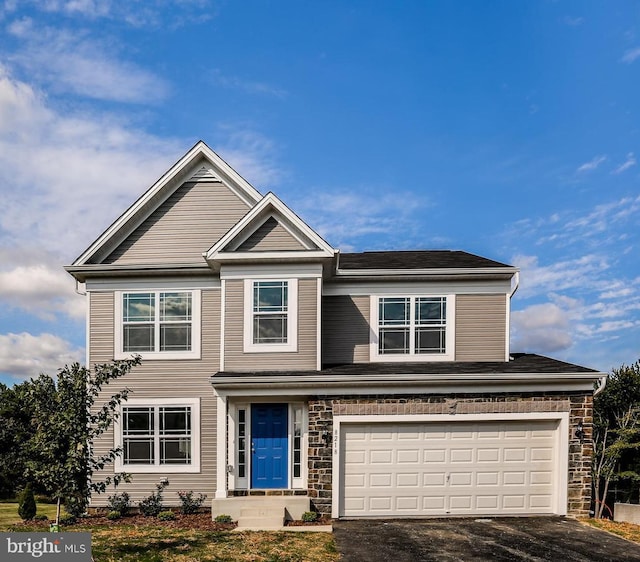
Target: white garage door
(455, 468)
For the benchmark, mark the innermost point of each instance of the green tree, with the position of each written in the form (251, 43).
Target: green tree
(616, 433)
(67, 416)
(15, 430)
(27, 505)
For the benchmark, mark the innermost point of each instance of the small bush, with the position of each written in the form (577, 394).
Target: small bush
(189, 503)
(27, 505)
(310, 516)
(120, 503)
(151, 506)
(114, 515)
(166, 515)
(68, 520)
(41, 518)
(223, 518)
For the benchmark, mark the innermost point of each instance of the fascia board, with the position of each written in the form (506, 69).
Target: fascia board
(82, 272)
(200, 150)
(452, 382)
(287, 255)
(427, 272)
(269, 200)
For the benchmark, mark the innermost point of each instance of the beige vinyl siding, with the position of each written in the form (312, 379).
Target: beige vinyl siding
(304, 359)
(481, 327)
(164, 379)
(271, 236)
(345, 329)
(187, 224)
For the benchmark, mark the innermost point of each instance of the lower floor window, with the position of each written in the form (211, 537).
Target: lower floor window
(157, 435)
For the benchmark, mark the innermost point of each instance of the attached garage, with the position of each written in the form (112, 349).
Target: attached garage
(470, 467)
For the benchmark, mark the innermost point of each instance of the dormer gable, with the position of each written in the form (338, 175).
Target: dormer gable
(270, 231)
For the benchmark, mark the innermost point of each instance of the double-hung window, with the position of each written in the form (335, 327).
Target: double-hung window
(159, 436)
(158, 324)
(412, 327)
(270, 315)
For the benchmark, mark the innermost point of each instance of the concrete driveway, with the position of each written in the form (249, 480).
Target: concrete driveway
(502, 539)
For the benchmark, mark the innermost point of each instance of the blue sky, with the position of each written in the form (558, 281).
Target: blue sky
(506, 129)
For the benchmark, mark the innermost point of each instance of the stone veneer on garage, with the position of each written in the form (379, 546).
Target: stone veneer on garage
(579, 405)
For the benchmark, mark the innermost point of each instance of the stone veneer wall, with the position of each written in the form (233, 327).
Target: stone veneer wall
(579, 405)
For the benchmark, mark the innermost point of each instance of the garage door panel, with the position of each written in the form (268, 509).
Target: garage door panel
(461, 455)
(448, 468)
(407, 479)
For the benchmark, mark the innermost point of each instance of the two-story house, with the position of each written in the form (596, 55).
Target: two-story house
(278, 369)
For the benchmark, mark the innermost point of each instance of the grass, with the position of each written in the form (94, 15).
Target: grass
(627, 531)
(9, 513)
(154, 542)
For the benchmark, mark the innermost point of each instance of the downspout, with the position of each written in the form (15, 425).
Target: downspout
(515, 283)
(603, 383)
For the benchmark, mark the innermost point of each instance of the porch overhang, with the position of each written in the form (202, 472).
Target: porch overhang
(524, 373)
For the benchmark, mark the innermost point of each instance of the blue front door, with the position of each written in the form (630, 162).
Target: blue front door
(269, 446)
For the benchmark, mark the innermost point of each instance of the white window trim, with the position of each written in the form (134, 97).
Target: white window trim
(157, 468)
(292, 319)
(196, 323)
(450, 331)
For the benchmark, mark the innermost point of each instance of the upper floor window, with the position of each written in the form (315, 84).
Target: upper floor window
(158, 324)
(271, 308)
(270, 311)
(408, 327)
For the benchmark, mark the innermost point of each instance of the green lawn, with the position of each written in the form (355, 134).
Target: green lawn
(155, 542)
(9, 513)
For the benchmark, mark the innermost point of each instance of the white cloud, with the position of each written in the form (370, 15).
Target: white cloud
(573, 21)
(150, 13)
(631, 55)
(24, 355)
(252, 154)
(568, 274)
(628, 163)
(592, 164)
(347, 217)
(247, 86)
(57, 175)
(75, 62)
(541, 328)
(38, 286)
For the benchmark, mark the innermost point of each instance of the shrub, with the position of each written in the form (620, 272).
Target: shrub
(223, 518)
(68, 520)
(151, 506)
(27, 505)
(190, 504)
(41, 518)
(166, 515)
(310, 516)
(113, 515)
(120, 503)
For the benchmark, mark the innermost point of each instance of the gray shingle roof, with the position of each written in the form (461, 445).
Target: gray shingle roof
(415, 259)
(524, 363)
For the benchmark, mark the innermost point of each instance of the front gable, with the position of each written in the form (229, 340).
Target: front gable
(192, 205)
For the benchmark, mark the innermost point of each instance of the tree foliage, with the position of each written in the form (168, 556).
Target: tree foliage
(616, 433)
(62, 417)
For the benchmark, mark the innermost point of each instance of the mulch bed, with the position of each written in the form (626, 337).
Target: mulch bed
(198, 521)
(321, 521)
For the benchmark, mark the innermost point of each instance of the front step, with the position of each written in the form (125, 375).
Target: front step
(261, 518)
(291, 506)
